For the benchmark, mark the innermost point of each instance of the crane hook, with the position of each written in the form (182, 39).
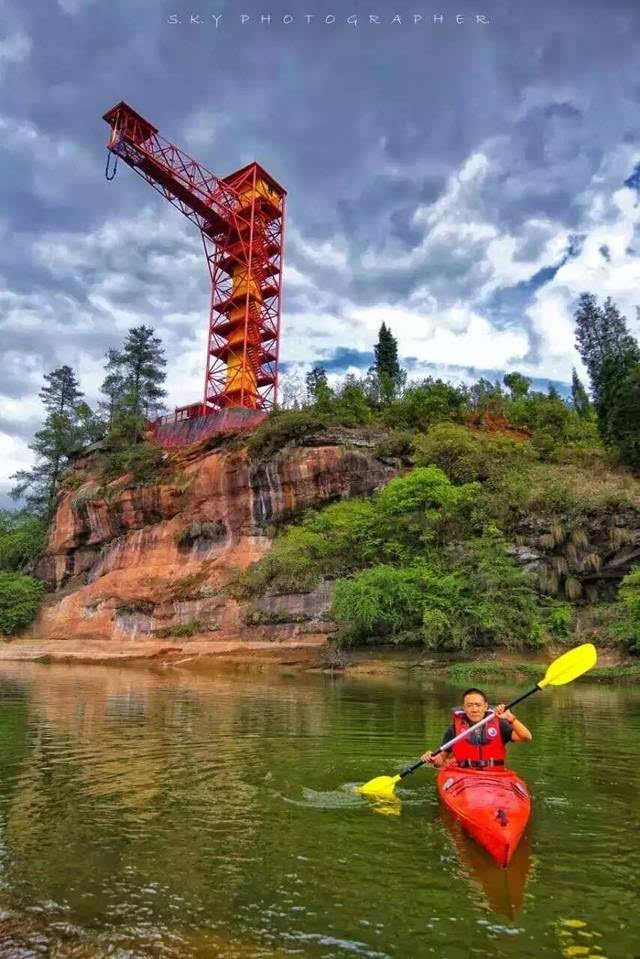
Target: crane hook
(115, 166)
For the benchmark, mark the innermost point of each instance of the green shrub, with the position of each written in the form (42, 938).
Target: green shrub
(455, 450)
(540, 411)
(22, 540)
(558, 619)
(351, 407)
(390, 601)
(145, 462)
(628, 629)
(19, 601)
(420, 490)
(476, 597)
(586, 453)
(502, 606)
(424, 508)
(73, 480)
(420, 407)
(191, 628)
(466, 455)
(294, 564)
(283, 428)
(398, 445)
(546, 443)
(349, 534)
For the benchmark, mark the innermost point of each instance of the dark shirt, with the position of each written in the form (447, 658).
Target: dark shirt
(479, 737)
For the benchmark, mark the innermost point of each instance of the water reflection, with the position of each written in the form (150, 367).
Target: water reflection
(146, 812)
(500, 890)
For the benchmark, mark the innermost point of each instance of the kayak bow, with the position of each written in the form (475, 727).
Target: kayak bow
(493, 806)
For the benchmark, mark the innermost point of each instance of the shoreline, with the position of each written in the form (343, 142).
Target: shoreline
(314, 654)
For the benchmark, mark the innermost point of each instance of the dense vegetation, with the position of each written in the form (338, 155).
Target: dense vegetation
(430, 558)
(22, 540)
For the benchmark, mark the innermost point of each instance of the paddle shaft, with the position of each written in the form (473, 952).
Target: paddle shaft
(446, 746)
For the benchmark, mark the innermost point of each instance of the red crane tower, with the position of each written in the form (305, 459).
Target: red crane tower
(241, 221)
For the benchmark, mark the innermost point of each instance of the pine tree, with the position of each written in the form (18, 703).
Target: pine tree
(602, 338)
(389, 379)
(63, 433)
(61, 395)
(611, 356)
(622, 425)
(112, 386)
(133, 384)
(581, 403)
(143, 360)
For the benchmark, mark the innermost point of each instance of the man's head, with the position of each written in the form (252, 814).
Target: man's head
(474, 703)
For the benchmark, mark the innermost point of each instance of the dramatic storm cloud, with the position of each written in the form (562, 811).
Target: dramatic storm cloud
(462, 171)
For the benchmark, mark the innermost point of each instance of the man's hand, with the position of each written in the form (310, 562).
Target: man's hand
(505, 713)
(428, 757)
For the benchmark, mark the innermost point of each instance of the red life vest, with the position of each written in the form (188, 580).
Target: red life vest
(492, 747)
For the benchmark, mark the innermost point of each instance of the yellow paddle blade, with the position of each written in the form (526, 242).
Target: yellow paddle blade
(391, 806)
(380, 786)
(570, 665)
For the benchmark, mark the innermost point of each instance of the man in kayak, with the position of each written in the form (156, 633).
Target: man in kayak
(486, 746)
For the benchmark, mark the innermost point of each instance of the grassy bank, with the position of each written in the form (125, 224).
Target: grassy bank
(479, 672)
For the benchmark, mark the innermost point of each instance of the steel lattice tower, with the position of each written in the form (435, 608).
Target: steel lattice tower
(241, 221)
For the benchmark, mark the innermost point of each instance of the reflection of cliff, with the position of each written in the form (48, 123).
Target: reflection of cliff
(139, 744)
(156, 556)
(134, 769)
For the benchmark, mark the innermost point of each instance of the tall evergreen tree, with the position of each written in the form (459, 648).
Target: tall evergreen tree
(112, 386)
(611, 356)
(133, 385)
(622, 426)
(62, 434)
(581, 403)
(389, 378)
(603, 341)
(143, 363)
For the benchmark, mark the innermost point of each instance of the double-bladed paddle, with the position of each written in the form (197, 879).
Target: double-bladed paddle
(562, 670)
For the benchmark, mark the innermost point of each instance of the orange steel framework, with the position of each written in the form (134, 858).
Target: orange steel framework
(241, 221)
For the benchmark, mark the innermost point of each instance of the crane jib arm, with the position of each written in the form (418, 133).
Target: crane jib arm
(241, 220)
(169, 169)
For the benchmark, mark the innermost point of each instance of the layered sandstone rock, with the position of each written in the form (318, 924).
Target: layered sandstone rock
(155, 557)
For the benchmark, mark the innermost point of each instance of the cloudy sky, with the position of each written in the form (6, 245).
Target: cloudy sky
(463, 180)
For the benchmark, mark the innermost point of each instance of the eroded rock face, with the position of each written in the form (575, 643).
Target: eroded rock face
(579, 557)
(156, 557)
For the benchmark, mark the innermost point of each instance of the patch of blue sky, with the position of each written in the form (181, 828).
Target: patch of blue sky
(633, 181)
(510, 302)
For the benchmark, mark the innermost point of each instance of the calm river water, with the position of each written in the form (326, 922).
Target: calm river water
(173, 813)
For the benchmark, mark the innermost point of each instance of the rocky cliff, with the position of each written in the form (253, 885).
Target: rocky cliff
(152, 561)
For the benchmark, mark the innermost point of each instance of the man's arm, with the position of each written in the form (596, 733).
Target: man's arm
(519, 732)
(442, 757)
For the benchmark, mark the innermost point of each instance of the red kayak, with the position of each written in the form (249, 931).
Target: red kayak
(492, 805)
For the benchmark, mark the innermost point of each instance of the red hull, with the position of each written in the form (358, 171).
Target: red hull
(493, 806)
